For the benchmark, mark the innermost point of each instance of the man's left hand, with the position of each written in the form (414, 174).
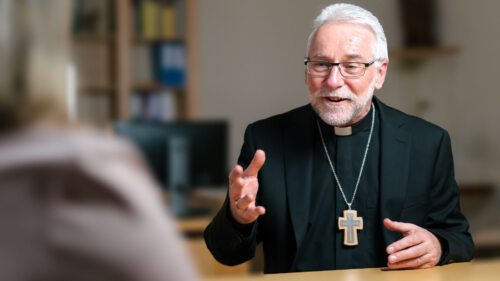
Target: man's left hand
(419, 248)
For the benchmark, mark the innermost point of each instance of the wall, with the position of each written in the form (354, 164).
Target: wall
(251, 68)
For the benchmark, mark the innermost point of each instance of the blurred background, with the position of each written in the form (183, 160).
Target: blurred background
(162, 71)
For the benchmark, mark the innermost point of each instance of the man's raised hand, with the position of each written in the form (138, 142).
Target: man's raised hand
(243, 187)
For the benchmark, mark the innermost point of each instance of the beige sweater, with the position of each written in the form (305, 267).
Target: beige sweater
(81, 205)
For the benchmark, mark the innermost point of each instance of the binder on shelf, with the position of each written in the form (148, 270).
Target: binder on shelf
(170, 64)
(154, 106)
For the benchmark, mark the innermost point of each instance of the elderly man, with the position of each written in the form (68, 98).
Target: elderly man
(345, 182)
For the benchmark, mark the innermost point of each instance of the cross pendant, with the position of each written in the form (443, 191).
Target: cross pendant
(350, 223)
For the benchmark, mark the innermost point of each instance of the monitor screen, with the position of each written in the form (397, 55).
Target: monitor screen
(193, 153)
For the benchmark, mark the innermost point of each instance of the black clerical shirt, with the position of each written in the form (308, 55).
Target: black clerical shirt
(323, 247)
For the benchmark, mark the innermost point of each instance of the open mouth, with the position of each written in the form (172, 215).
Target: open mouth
(335, 99)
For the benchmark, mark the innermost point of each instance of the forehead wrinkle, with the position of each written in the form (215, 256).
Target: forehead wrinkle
(346, 57)
(353, 56)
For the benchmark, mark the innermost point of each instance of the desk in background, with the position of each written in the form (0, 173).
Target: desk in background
(487, 270)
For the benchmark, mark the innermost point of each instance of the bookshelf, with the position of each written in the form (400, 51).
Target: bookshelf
(132, 55)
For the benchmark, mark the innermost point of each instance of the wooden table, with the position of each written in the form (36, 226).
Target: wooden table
(485, 270)
(192, 229)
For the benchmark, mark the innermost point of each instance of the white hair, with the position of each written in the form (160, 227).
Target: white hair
(352, 14)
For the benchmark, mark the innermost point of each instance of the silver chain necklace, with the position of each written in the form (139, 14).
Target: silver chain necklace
(362, 163)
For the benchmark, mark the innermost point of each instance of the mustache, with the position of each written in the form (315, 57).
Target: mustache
(326, 93)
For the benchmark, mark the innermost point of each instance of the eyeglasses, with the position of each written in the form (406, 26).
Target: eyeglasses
(348, 69)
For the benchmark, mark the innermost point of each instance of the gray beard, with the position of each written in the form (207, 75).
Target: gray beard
(342, 116)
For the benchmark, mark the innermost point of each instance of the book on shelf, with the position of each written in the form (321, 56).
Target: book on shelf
(169, 62)
(92, 17)
(159, 19)
(141, 70)
(168, 23)
(154, 106)
(162, 64)
(180, 26)
(148, 19)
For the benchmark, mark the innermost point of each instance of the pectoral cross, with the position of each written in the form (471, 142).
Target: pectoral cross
(350, 223)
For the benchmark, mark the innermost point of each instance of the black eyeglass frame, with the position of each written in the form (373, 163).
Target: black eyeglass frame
(337, 64)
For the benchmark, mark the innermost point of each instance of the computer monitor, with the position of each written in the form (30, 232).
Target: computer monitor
(182, 155)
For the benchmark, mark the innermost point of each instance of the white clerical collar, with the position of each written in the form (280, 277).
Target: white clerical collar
(343, 131)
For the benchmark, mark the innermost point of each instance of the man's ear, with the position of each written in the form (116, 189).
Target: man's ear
(305, 76)
(381, 71)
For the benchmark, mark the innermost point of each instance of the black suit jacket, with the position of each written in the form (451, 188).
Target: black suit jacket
(417, 186)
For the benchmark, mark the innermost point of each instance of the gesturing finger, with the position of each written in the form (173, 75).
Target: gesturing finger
(411, 252)
(253, 213)
(405, 242)
(424, 261)
(236, 172)
(249, 214)
(401, 227)
(257, 162)
(236, 188)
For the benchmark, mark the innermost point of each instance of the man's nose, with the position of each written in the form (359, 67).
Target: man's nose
(334, 79)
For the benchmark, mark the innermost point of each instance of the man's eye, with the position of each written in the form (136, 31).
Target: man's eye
(351, 65)
(321, 65)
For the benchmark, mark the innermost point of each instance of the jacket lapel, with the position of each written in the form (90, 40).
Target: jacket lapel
(395, 156)
(298, 140)
(298, 159)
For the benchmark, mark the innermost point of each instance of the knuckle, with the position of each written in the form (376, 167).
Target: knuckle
(235, 183)
(412, 252)
(250, 197)
(240, 182)
(406, 242)
(243, 200)
(415, 239)
(396, 247)
(427, 265)
(420, 251)
(433, 258)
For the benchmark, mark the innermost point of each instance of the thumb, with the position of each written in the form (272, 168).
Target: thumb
(257, 162)
(397, 226)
